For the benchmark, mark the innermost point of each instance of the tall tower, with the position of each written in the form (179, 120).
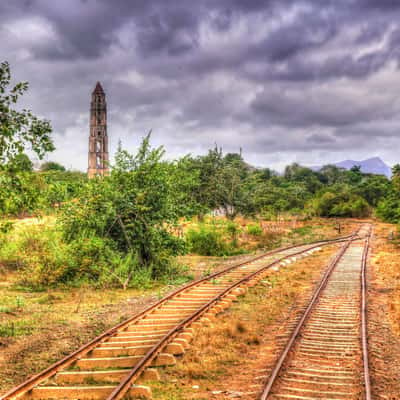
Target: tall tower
(98, 139)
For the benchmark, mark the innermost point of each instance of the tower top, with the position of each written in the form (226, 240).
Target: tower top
(98, 88)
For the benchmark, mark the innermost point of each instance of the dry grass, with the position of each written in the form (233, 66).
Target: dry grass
(223, 356)
(384, 313)
(386, 263)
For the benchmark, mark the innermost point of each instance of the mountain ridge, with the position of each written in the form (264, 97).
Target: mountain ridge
(373, 165)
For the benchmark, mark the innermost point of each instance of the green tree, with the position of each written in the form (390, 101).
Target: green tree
(373, 188)
(266, 174)
(389, 208)
(19, 163)
(51, 166)
(332, 174)
(19, 129)
(396, 170)
(134, 208)
(303, 175)
(340, 202)
(210, 167)
(231, 187)
(185, 179)
(354, 175)
(396, 177)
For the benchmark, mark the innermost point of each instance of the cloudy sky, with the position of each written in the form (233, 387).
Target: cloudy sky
(312, 81)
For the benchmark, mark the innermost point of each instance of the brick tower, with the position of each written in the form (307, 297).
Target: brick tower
(98, 139)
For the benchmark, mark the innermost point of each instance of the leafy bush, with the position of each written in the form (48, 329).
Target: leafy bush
(92, 259)
(254, 230)
(39, 254)
(29, 192)
(206, 241)
(133, 209)
(232, 229)
(341, 204)
(44, 259)
(389, 209)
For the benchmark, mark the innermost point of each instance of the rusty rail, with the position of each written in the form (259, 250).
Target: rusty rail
(86, 348)
(364, 321)
(288, 347)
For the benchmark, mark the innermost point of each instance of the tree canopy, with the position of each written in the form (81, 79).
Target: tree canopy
(19, 130)
(52, 166)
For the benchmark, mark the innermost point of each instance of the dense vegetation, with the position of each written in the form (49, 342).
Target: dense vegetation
(111, 230)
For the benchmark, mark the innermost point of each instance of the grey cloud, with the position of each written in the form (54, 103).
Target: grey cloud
(318, 138)
(317, 106)
(267, 75)
(307, 32)
(174, 32)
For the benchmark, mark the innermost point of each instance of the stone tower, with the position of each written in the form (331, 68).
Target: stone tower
(98, 139)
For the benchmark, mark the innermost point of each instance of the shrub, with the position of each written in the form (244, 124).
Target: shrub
(91, 259)
(232, 229)
(360, 208)
(133, 209)
(254, 230)
(44, 258)
(9, 257)
(28, 192)
(206, 241)
(389, 209)
(341, 204)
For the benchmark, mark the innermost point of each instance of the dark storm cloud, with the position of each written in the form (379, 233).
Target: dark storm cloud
(174, 31)
(314, 74)
(307, 32)
(318, 106)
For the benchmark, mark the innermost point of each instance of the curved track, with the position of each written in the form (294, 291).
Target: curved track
(109, 365)
(326, 357)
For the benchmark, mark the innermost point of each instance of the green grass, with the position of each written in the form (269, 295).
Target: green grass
(16, 328)
(303, 231)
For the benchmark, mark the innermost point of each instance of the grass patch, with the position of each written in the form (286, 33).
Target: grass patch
(254, 230)
(16, 328)
(302, 231)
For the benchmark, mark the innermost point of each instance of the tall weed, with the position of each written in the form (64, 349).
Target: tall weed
(206, 241)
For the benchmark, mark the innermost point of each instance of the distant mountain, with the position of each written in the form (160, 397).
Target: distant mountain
(372, 165)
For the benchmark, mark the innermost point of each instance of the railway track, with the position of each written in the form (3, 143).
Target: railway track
(326, 356)
(110, 365)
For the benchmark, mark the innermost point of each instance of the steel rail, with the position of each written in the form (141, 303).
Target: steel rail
(123, 387)
(299, 326)
(278, 366)
(364, 321)
(53, 369)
